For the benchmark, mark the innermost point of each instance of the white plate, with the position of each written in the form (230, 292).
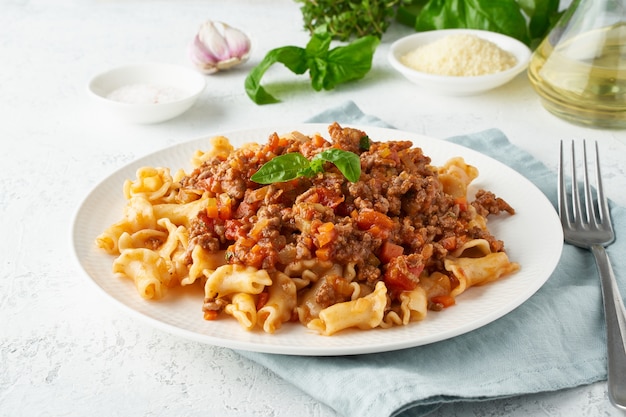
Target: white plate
(181, 313)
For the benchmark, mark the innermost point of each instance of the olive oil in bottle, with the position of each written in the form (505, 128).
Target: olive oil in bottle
(579, 71)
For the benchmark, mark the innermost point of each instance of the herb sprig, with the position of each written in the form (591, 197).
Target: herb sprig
(349, 18)
(295, 165)
(327, 67)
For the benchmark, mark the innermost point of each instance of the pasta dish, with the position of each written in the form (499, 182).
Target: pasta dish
(337, 233)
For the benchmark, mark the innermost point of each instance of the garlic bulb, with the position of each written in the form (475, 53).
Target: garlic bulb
(218, 46)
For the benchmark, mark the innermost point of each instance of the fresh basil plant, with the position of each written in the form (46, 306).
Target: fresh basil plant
(327, 67)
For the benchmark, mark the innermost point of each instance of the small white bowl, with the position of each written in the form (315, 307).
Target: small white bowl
(147, 93)
(458, 85)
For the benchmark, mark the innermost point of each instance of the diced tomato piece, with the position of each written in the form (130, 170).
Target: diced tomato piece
(233, 230)
(329, 198)
(202, 216)
(262, 299)
(399, 282)
(246, 210)
(401, 277)
(389, 250)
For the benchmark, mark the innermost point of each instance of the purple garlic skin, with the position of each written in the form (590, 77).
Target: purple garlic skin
(218, 46)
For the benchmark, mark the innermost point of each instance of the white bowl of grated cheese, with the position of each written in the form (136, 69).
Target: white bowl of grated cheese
(459, 61)
(148, 92)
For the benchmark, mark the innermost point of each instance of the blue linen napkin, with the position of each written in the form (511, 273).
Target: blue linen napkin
(555, 340)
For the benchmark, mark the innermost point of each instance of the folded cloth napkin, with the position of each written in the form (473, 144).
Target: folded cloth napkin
(554, 340)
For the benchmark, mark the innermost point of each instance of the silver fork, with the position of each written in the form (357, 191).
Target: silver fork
(587, 224)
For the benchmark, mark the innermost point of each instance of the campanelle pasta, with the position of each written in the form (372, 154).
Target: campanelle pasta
(403, 239)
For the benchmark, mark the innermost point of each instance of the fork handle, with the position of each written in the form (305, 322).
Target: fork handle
(615, 317)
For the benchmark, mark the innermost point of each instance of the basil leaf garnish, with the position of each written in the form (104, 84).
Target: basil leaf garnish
(294, 165)
(281, 168)
(347, 162)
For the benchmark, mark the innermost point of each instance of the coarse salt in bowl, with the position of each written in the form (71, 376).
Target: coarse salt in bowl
(148, 92)
(458, 85)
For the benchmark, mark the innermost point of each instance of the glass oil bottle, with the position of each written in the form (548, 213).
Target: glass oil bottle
(579, 69)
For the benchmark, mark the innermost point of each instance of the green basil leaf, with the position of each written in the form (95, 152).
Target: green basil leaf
(318, 69)
(350, 62)
(348, 163)
(293, 57)
(316, 166)
(281, 168)
(294, 165)
(407, 12)
(542, 15)
(317, 52)
(318, 44)
(503, 16)
(326, 68)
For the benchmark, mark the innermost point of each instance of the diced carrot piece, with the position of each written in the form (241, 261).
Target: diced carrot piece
(211, 314)
(225, 207)
(318, 141)
(212, 210)
(461, 202)
(378, 231)
(323, 254)
(444, 300)
(326, 233)
(367, 219)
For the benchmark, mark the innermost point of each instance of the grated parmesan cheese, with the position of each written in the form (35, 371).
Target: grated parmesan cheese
(460, 55)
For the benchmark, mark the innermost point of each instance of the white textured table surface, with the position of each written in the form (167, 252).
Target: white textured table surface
(64, 350)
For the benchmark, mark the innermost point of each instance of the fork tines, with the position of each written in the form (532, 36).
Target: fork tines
(587, 210)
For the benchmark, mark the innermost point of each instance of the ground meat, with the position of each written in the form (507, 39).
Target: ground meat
(202, 231)
(487, 203)
(333, 290)
(212, 304)
(347, 138)
(398, 199)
